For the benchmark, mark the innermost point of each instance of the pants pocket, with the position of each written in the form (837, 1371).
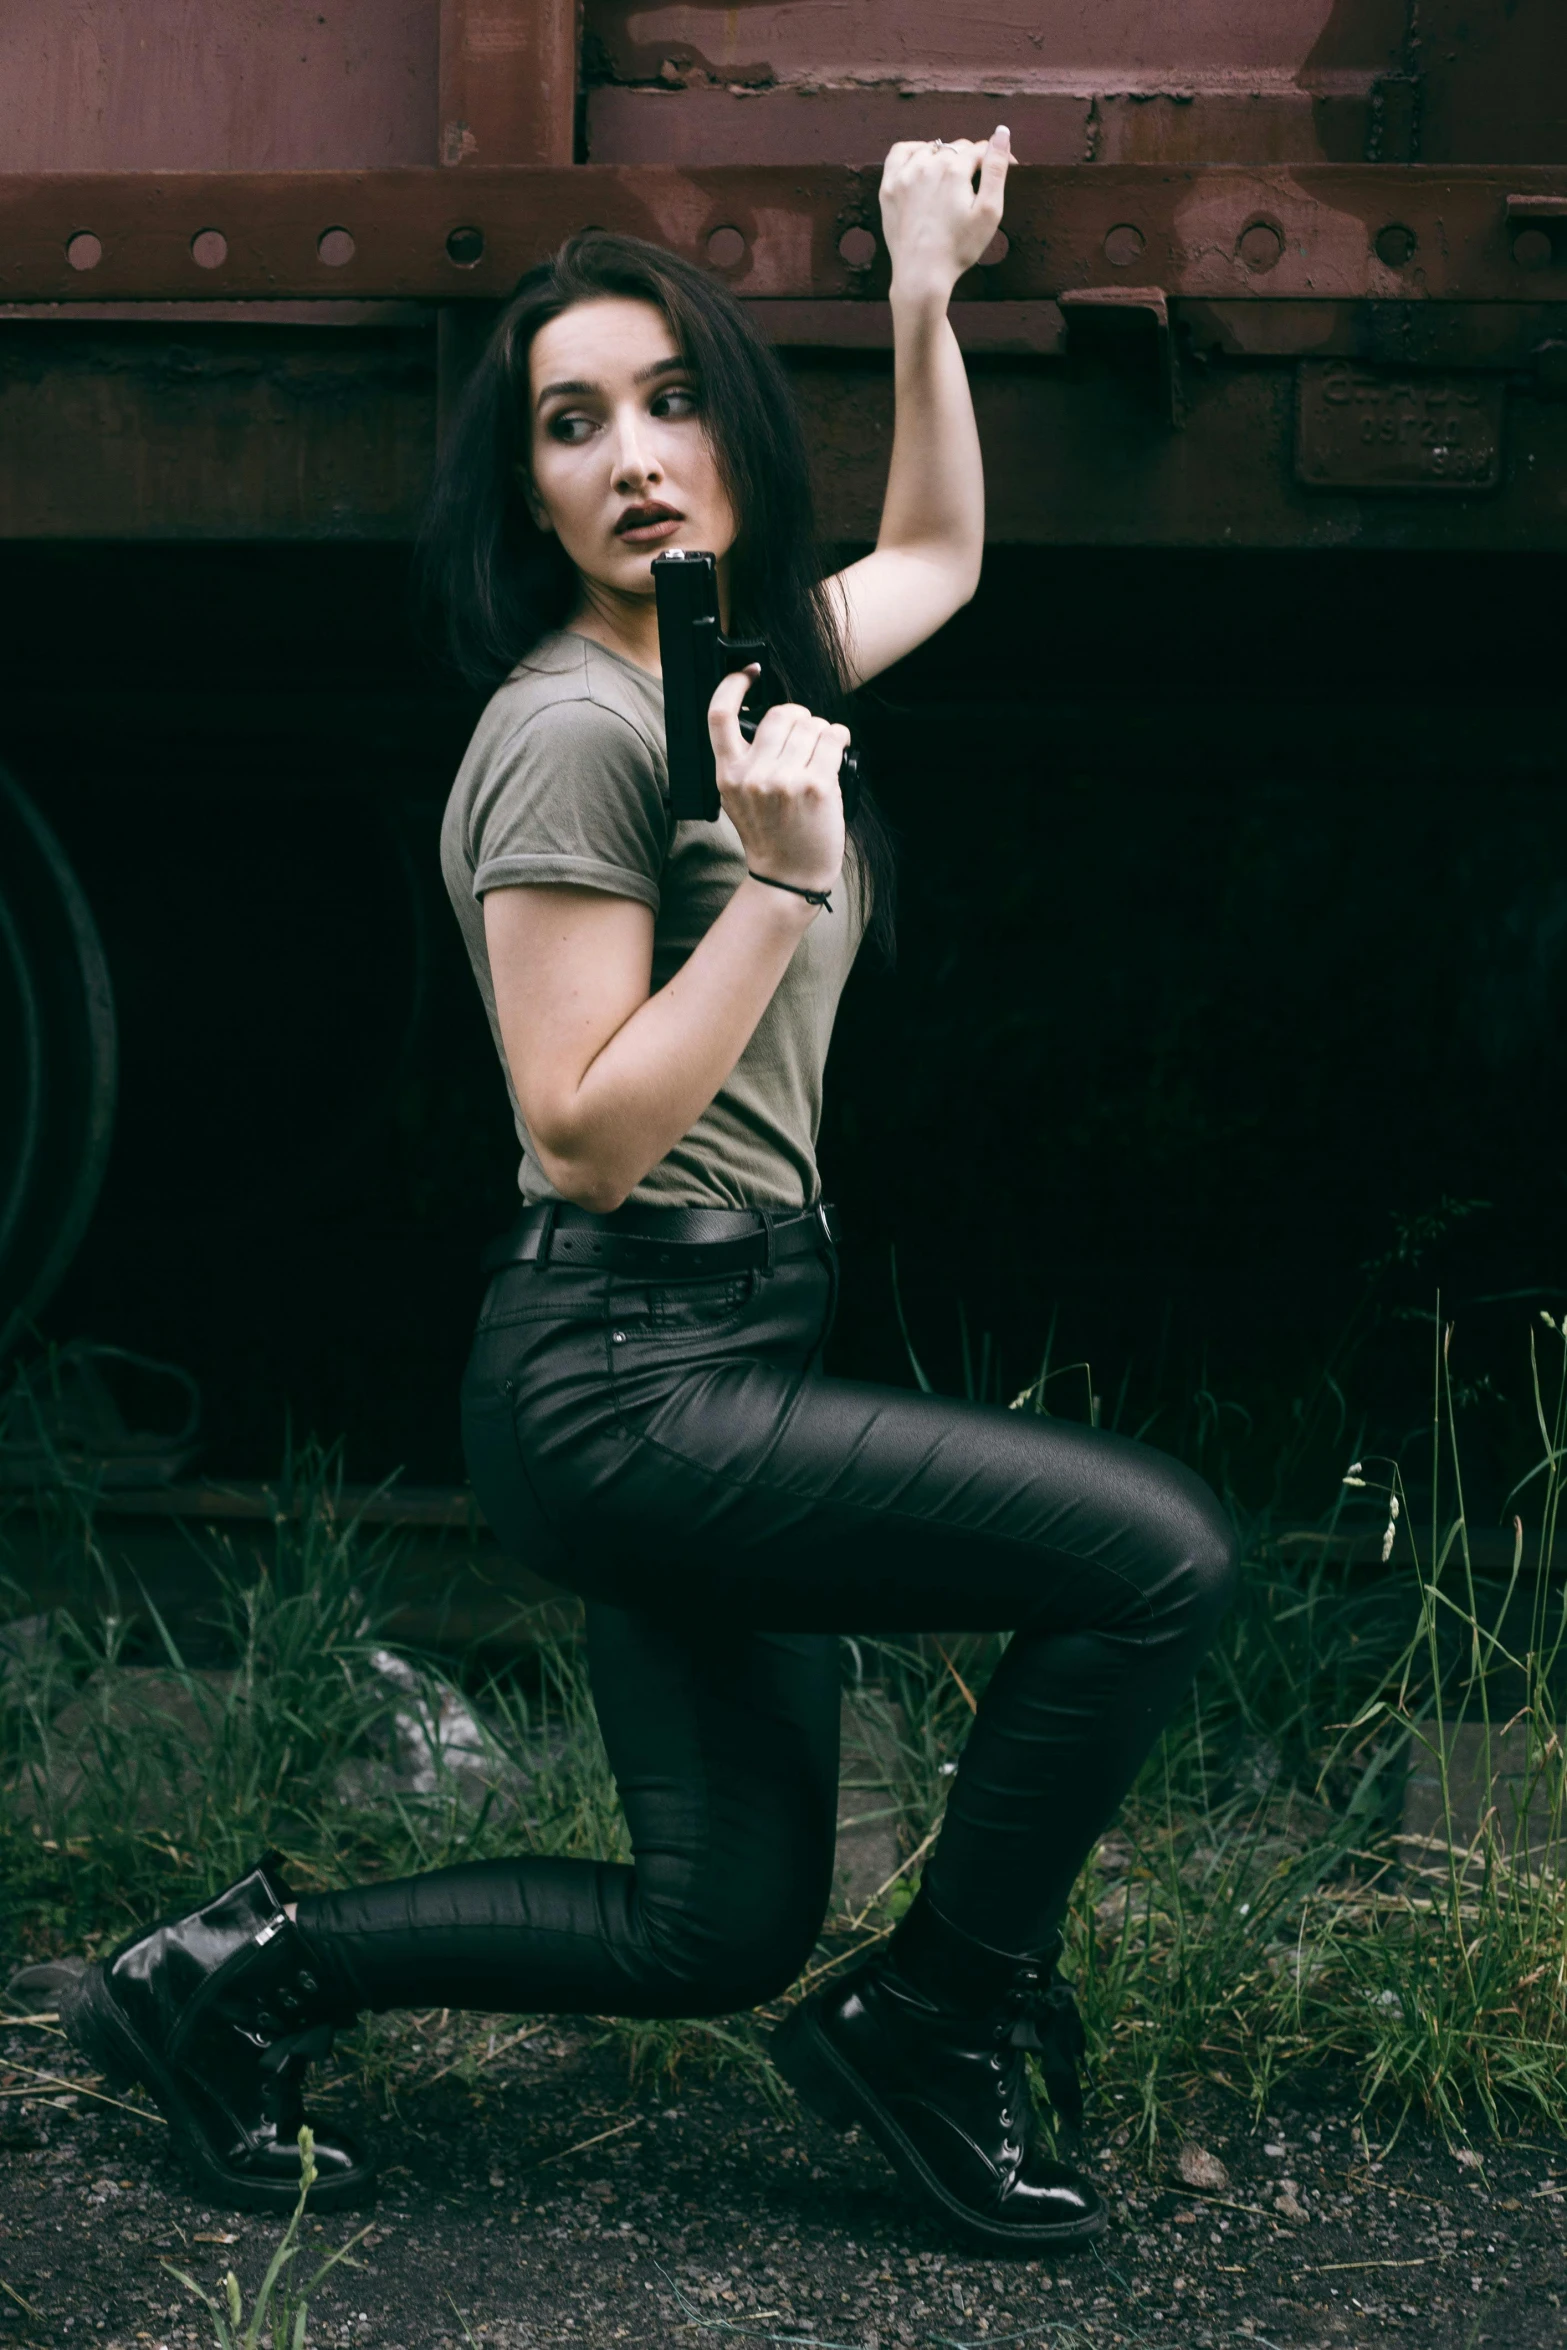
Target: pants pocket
(678, 1308)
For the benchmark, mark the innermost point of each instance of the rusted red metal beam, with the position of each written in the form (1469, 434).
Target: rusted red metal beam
(508, 82)
(508, 97)
(1329, 232)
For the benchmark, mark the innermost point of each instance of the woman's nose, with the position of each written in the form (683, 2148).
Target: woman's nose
(635, 463)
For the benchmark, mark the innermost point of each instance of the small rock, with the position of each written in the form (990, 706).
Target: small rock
(152, 1725)
(1289, 2205)
(1258, 1764)
(1111, 1909)
(872, 1736)
(1199, 2168)
(37, 1989)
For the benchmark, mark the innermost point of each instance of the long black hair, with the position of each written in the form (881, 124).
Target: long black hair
(501, 583)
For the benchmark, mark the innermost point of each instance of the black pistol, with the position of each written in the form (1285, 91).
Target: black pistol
(696, 654)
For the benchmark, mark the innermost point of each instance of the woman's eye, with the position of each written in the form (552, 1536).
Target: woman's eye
(571, 429)
(679, 400)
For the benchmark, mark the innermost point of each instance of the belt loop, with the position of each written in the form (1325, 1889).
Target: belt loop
(546, 1235)
(766, 1215)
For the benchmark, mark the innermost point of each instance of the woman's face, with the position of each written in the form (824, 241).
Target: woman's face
(621, 463)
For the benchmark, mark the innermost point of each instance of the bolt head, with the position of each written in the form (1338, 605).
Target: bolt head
(1124, 245)
(1533, 249)
(1261, 246)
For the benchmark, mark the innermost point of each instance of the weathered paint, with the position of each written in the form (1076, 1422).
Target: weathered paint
(1444, 81)
(1030, 44)
(325, 84)
(1493, 80)
(1121, 81)
(219, 433)
(247, 434)
(702, 126)
(1234, 141)
(1312, 232)
(242, 85)
(508, 81)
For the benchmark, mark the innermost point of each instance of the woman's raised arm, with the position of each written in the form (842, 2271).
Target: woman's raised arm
(932, 537)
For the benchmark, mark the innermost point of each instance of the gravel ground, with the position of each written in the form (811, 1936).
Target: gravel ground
(531, 2198)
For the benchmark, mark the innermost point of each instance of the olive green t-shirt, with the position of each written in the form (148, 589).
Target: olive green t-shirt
(565, 782)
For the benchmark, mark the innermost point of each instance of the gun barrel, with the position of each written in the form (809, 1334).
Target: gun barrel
(695, 654)
(685, 584)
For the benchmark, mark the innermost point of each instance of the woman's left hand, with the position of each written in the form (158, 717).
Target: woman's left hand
(935, 222)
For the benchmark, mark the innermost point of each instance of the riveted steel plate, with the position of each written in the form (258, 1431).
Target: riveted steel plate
(1210, 232)
(1369, 428)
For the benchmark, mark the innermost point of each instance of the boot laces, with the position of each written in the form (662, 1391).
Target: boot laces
(283, 2069)
(1041, 2015)
(1014, 2103)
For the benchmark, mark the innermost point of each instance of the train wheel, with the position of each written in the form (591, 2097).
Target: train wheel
(58, 1063)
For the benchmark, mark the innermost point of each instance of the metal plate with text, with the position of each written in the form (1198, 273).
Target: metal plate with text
(1364, 428)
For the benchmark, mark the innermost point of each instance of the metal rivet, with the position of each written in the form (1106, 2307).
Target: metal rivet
(465, 246)
(334, 246)
(1261, 245)
(1123, 245)
(619, 1337)
(726, 248)
(84, 250)
(209, 248)
(857, 246)
(1532, 248)
(1396, 244)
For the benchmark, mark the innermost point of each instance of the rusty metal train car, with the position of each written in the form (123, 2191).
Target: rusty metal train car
(1270, 363)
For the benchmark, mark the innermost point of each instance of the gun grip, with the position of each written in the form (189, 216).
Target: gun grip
(696, 654)
(734, 653)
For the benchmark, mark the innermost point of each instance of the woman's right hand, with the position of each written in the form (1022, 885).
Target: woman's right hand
(781, 790)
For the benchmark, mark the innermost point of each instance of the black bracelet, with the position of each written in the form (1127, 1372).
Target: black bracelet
(812, 897)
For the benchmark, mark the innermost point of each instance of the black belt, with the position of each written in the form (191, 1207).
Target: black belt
(663, 1243)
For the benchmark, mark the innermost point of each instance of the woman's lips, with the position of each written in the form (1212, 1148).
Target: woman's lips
(650, 534)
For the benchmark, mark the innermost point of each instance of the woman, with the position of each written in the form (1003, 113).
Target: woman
(644, 1409)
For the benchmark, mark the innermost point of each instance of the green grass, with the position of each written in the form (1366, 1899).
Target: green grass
(1251, 1917)
(279, 2308)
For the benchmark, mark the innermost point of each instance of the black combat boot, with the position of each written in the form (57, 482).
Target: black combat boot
(926, 2047)
(217, 2014)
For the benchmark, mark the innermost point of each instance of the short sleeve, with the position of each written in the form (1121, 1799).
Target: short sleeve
(571, 798)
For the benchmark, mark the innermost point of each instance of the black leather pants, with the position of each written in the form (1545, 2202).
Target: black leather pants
(674, 1454)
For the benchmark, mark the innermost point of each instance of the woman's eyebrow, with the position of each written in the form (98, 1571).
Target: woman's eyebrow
(577, 389)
